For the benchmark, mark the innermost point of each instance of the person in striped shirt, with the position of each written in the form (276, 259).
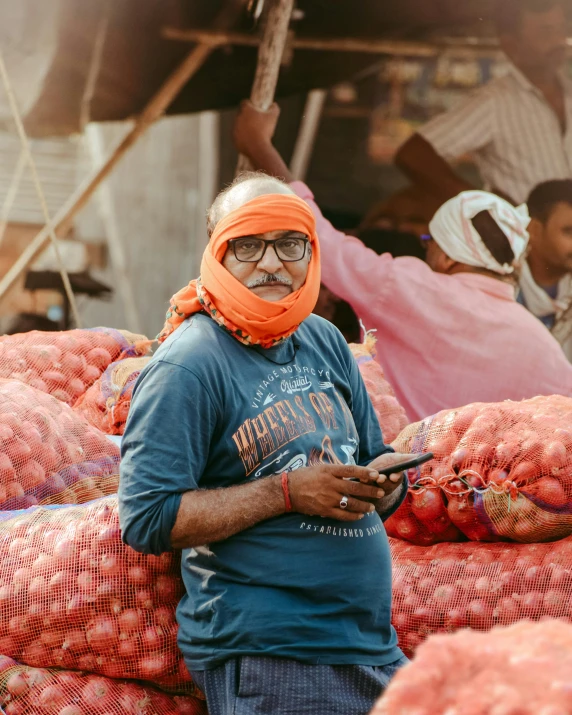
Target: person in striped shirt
(518, 128)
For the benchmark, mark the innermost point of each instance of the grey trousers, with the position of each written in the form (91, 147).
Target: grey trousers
(252, 685)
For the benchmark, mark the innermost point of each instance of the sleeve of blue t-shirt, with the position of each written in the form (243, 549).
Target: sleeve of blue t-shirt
(164, 451)
(371, 439)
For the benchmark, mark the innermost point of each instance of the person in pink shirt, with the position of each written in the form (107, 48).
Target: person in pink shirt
(449, 331)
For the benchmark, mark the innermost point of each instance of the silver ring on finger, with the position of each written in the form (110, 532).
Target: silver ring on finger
(344, 502)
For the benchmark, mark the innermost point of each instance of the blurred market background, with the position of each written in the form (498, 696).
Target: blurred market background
(356, 79)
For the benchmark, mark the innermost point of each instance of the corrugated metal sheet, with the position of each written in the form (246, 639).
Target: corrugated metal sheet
(58, 162)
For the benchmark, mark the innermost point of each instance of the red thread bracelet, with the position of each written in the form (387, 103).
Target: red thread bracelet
(286, 491)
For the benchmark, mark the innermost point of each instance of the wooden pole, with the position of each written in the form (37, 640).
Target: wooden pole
(476, 48)
(62, 222)
(307, 133)
(269, 57)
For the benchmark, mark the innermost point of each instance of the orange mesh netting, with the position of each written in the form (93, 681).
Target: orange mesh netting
(65, 364)
(29, 691)
(72, 595)
(49, 454)
(106, 403)
(502, 471)
(521, 670)
(447, 587)
(423, 519)
(390, 414)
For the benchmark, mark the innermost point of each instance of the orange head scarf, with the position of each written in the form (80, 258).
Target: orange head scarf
(250, 319)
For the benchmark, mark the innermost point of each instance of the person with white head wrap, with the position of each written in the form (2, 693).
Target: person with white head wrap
(455, 229)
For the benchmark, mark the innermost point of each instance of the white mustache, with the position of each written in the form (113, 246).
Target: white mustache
(269, 279)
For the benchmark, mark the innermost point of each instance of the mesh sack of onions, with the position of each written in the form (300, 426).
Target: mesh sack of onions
(72, 595)
(502, 471)
(523, 669)
(447, 587)
(390, 414)
(65, 364)
(25, 690)
(48, 453)
(106, 403)
(423, 519)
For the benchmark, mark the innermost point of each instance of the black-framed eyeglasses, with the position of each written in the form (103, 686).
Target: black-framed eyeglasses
(251, 250)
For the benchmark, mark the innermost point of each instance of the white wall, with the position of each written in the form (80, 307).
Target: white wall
(159, 194)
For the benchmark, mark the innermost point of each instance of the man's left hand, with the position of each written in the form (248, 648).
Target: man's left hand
(394, 481)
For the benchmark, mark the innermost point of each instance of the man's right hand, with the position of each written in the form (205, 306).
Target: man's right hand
(253, 128)
(252, 133)
(317, 491)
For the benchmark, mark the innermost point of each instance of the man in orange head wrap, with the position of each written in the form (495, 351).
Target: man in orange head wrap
(260, 296)
(252, 445)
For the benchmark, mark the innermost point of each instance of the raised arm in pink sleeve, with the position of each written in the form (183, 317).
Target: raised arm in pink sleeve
(442, 340)
(352, 271)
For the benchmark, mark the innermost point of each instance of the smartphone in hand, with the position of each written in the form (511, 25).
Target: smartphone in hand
(410, 464)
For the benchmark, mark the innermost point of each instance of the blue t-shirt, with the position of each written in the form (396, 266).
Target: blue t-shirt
(209, 412)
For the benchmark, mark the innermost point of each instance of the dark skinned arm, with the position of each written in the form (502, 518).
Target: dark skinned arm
(252, 133)
(211, 515)
(421, 163)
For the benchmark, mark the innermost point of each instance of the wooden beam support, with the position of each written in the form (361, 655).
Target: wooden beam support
(62, 222)
(270, 54)
(472, 48)
(307, 133)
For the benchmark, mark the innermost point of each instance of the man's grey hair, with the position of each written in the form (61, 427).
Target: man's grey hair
(264, 185)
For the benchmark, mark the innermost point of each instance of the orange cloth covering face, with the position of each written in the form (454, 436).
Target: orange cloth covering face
(251, 319)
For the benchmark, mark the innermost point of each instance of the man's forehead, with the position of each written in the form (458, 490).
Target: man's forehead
(562, 212)
(248, 190)
(277, 233)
